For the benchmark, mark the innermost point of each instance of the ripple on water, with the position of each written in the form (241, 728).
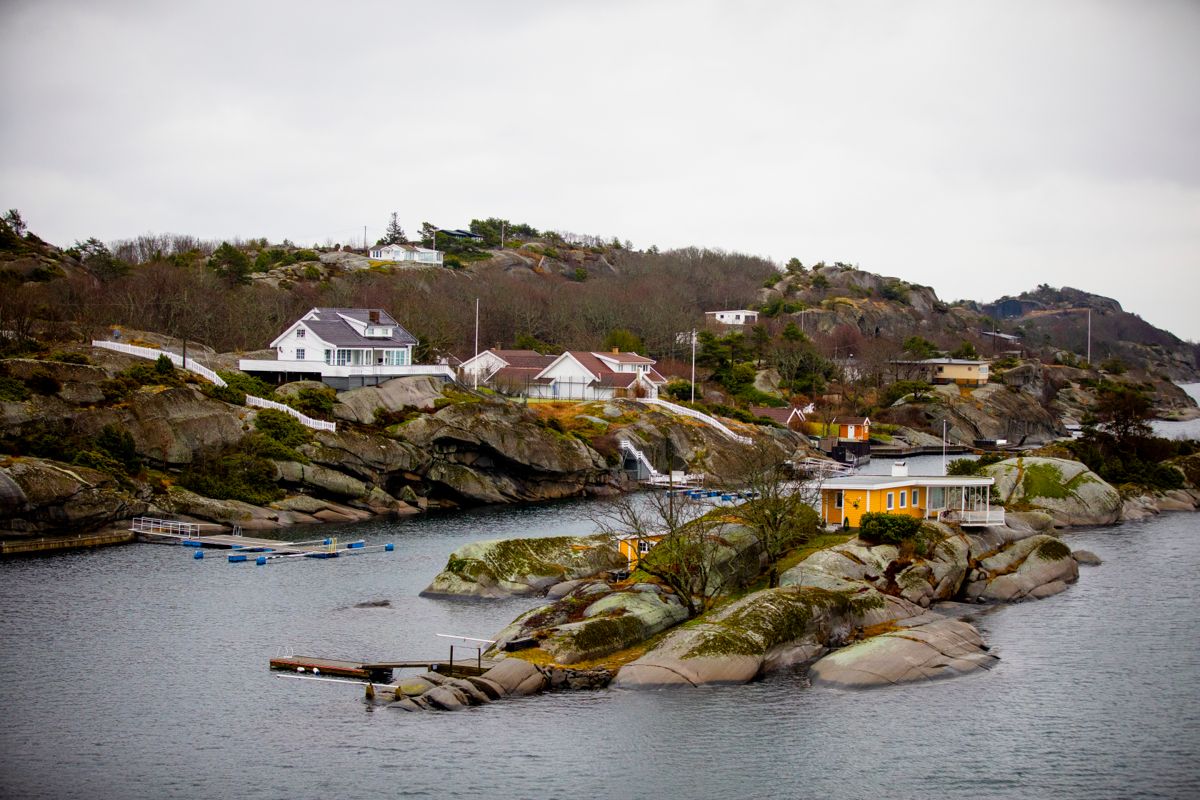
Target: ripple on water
(136, 672)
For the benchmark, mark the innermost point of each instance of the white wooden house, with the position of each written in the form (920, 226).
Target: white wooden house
(573, 375)
(406, 252)
(734, 318)
(343, 348)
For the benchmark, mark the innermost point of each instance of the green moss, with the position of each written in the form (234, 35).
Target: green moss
(1044, 480)
(1053, 550)
(782, 616)
(607, 635)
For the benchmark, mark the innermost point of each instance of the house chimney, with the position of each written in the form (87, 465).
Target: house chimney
(373, 315)
(616, 350)
(899, 469)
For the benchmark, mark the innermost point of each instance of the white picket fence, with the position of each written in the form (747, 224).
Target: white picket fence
(199, 369)
(149, 352)
(315, 424)
(705, 418)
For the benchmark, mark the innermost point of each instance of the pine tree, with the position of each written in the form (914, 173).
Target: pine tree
(394, 233)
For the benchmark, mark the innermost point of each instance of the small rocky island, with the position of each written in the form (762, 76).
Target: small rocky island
(856, 613)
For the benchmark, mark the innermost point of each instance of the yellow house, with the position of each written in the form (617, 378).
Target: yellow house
(853, 429)
(635, 545)
(964, 372)
(963, 499)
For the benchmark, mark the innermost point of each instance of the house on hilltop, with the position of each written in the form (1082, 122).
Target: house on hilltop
(344, 348)
(791, 418)
(573, 375)
(736, 318)
(406, 253)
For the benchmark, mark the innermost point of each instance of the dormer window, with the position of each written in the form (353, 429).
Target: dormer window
(377, 332)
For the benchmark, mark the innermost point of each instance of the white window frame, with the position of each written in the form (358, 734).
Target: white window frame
(903, 499)
(300, 333)
(839, 500)
(891, 500)
(299, 353)
(916, 498)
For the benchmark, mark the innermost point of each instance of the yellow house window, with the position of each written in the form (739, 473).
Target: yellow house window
(916, 495)
(903, 499)
(837, 500)
(891, 500)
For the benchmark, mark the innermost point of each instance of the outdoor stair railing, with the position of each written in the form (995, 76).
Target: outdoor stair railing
(629, 448)
(199, 369)
(705, 418)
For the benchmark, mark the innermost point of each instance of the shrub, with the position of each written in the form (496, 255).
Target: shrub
(118, 445)
(879, 526)
(248, 384)
(679, 389)
(581, 274)
(312, 273)
(69, 358)
(282, 427)
(163, 365)
(314, 402)
(234, 476)
(13, 390)
(226, 394)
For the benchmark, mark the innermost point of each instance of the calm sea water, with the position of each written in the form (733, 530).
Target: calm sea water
(136, 672)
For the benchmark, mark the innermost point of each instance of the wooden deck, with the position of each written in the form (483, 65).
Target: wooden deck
(378, 671)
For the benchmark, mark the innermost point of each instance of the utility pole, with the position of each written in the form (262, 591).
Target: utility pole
(943, 447)
(693, 365)
(1090, 337)
(475, 372)
(365, 237)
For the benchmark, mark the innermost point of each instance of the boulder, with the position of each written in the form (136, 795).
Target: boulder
(360, 405)
(1070, 492)
(321, 479)
(289, 391)
(507, 567)
(180, 501)
(1033, 568)
(616, 621)
(346, 260)
(767, 629)
(940, 649)
(516, 677)
(446, 698)
(413, 686)
(39, 495)
(1086, 558)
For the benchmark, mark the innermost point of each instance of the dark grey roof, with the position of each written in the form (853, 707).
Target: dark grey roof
(330, 327)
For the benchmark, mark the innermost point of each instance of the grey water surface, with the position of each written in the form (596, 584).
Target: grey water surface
(137, 672)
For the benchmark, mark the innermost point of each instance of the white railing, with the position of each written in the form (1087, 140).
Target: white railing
(316, 424)
(151, 353)
(823, 467)
(994, 516)
(203, 371)
(705, 418)
(628, 447)
(168, 527)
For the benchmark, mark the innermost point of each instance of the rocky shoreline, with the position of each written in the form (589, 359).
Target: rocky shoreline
(856, 615)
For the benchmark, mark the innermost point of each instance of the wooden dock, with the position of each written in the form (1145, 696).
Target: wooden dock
(903, 451)
(377, 671)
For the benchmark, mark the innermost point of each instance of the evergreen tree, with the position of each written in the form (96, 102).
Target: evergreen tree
(394, 233)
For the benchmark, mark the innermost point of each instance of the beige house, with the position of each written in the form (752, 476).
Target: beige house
(962, 371)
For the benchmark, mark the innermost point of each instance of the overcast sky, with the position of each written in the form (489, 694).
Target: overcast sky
(978, 147)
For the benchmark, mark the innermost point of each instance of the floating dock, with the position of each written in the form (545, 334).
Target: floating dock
(244, 548)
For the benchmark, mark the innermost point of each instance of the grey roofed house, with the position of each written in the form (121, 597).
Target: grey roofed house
(333, 327)
(344, 348)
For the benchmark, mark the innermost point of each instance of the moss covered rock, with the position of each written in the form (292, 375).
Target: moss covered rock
(508, 567)
(1070, 492)
(942, 648)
